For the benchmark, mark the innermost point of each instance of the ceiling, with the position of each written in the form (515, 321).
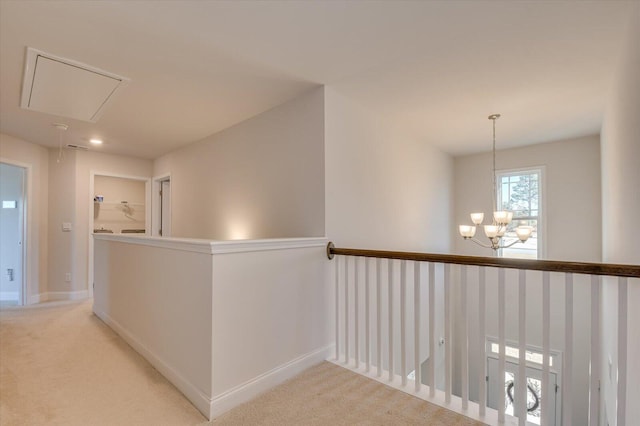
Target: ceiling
(434, 68)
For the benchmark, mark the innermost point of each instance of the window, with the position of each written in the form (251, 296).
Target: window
(520, 191)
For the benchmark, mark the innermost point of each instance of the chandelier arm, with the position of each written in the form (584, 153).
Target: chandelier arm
(480, 243)
(515, 242)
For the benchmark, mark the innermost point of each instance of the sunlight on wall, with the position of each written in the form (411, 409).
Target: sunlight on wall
(238, 230)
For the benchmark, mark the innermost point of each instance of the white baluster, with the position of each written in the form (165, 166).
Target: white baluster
(337, 308)
(448, 356)
(367, 314)
(464, 368)
(547, 393)
(378, 316)
(390, 263)
(346, 310)
(501, 343)
(416, 325)
(482, 347)
(356, 311)
(432, 329)
(594, 378)
(567, 408)
(521, 396)
(403, 322)
(622, 351)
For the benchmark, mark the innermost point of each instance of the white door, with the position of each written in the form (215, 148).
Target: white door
(501, 393)
(165, 209)
(12, 184)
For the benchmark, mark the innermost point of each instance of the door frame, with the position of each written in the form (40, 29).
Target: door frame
(155, 203)
(27, 215)
(556, 369)
(147, 214)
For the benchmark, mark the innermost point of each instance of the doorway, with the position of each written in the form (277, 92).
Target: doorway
(12, 229)
(118, 208)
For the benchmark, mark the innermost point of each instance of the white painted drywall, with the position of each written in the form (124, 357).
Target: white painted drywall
(571, 198)
(223, 321)
(621, 203)
(384, 188)
(262, 178)
(159, 300)
(23, 152)
(62, 209)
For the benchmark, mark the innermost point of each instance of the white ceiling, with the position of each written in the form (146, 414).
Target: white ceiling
(436, 68)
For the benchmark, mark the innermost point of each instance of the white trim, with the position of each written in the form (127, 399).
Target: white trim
(147, 219)
(37, 298)
(155, 202)
(262, 383)
(67, 295)
(58, 296)
(243, 246)
(542, 207)
(27, 214)
(197, 397)
(215, 247)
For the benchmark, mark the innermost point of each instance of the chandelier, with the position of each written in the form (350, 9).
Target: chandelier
(501, 218)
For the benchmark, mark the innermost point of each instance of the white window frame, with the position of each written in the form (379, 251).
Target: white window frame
(542, 202)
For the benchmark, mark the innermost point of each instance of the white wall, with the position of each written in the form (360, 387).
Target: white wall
(384, 188)
(18, 150)
(621, 203)
(262, 178)
(223, 321)
(571, 198)
(62, 209)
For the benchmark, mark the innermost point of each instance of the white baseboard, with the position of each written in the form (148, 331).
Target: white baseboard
(36, 298)
(213, 407)
(57, 295)
(262, 383)
(67, 295)
(198, 398)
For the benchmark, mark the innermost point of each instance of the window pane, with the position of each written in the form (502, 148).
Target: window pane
(526, 250)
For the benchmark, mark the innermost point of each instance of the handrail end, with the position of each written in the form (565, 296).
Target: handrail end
(330, 247)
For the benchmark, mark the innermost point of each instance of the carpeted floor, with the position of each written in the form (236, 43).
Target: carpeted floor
(60, 365)
(331, 395)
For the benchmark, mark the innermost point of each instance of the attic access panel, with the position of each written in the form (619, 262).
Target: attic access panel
(67, 88)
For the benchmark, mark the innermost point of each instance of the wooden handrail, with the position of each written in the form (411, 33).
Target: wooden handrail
(589, 268)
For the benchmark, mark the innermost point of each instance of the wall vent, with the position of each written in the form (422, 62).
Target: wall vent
(67, 88)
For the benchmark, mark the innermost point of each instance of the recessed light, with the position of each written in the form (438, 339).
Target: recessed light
(96, 141)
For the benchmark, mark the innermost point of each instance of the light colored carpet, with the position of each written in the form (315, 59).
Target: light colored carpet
(61, 365)
(331, 395)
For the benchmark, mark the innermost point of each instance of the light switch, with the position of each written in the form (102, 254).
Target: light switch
(66, 226)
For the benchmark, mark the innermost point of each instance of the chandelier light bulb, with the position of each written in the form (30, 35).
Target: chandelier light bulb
(477, 218)
(491, 231)
(524, 232)
(467, 231)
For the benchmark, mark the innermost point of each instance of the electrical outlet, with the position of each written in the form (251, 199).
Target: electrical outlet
(67, 277)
